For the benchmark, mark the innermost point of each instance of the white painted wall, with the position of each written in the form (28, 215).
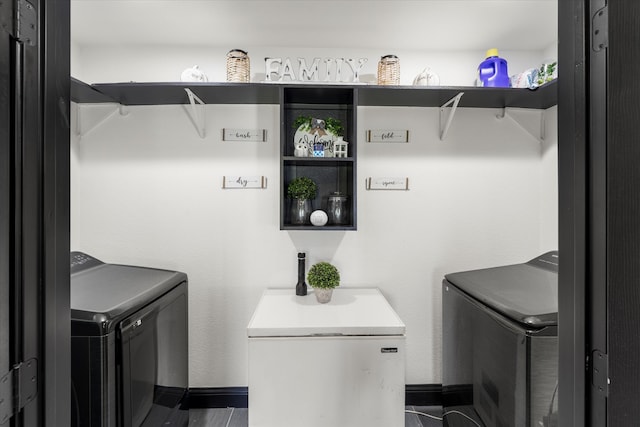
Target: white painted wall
(74, 185)
(146, 190)
(549, 182)
(75, 59)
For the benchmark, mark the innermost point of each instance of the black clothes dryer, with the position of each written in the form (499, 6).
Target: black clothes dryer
(129, 345)
(500, 345)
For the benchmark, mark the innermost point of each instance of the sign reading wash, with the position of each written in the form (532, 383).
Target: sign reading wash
(333, 70)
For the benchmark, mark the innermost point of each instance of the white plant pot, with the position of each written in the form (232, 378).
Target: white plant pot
(323, 295)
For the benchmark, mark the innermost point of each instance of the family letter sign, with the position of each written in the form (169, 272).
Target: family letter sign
(331, 70)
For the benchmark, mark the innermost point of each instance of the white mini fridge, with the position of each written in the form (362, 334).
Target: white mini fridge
(320, 365)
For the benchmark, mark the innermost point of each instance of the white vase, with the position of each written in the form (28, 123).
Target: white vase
(323, 295)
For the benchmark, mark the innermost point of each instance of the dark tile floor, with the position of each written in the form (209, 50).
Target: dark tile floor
(238, 417)
(218, 417)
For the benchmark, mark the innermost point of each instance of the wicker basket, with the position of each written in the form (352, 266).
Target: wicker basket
(389, 70)
(238, 66)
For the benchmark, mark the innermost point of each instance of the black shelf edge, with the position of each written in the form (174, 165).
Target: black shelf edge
(319, 161)
(318, 228)
(316, 106)
(81, 92)
(133, 93)
(542, 97)
(320, 94)
(173, 93)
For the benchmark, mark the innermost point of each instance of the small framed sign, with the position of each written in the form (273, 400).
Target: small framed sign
(244, 182)
(259, 135)
(383, 183)
(387, 135)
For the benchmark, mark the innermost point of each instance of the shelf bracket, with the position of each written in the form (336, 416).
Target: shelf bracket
(445, 129)
(523, 118)
(196, 112)
(84, 125)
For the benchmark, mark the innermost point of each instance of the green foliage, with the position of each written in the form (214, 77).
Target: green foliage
(332, 125)
(302, 188)
(302, 120)
(323, 275)
(545, 73)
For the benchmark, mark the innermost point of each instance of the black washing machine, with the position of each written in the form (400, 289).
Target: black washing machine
(129, 345)
(500, 345)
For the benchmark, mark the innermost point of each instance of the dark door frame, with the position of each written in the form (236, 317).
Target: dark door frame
(577, 249)
(6, 348)
(34, 215)
(56, 327)
(620, 304)
(572, 215)
(599, 212)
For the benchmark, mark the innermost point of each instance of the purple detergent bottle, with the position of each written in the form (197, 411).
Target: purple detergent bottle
(493, 70)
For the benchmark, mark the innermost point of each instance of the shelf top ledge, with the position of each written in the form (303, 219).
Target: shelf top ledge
(167, 93)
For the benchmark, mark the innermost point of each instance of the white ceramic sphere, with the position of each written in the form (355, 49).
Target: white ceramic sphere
(319, 218)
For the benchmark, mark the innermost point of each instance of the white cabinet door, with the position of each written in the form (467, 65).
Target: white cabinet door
(327, 381)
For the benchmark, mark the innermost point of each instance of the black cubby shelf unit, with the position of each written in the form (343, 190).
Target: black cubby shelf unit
(330, 174)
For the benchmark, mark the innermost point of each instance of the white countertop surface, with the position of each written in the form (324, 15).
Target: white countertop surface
(351, 311)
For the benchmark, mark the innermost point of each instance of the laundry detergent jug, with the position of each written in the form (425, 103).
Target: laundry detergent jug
(492, 72)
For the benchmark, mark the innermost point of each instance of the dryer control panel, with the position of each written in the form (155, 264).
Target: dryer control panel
(81, 261)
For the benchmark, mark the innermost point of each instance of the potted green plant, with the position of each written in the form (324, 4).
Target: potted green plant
(301, 191)
(323, 277)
